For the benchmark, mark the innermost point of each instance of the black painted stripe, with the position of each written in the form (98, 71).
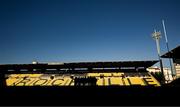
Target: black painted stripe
(123, 82)
(109, 81)
(129, 81)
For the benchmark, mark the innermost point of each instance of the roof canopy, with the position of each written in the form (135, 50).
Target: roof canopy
(78, 65)
(174, 53)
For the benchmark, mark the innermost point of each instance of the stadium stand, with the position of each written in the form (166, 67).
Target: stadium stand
(84, 83)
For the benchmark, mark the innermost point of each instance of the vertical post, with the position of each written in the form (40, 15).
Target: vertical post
(167, 45)
(174, 75)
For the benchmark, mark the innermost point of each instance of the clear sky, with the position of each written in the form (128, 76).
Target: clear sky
(85, 30)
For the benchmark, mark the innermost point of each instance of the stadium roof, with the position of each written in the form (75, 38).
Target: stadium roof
(77, 65)
(174, 53)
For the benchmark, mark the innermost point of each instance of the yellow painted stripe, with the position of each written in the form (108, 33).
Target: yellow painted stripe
(93, 74)
(136, 81)
(11, 81)
(106, 82)
(116, 81)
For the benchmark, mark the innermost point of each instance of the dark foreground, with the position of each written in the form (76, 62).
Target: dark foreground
(113, 95)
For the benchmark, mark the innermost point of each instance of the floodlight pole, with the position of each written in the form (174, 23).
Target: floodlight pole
(167, 45)
(157, 36)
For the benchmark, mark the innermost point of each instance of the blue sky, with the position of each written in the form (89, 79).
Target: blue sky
(85, 30)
